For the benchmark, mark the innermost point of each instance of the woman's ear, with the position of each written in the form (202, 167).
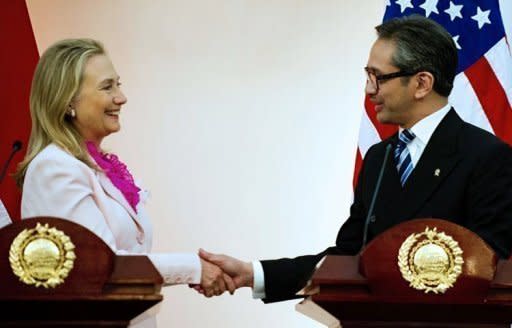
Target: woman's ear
(71, 112)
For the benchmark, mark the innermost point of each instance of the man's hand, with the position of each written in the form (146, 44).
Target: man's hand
(214, 281)
(241, 272)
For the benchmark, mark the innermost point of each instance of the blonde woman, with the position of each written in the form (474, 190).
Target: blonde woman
(75, 103)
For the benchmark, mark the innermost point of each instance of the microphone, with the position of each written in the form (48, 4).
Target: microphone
(16, 147)
(370, 215)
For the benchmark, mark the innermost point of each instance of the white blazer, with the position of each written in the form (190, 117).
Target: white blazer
(57, 184)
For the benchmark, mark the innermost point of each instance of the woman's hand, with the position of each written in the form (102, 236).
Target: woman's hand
(214, 281)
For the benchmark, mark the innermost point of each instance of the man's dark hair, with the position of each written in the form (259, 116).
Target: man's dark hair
(422, 45)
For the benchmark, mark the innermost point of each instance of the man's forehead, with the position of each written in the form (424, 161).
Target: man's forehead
(381, 54)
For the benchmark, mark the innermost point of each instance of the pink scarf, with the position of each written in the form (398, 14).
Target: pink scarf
(117, 172)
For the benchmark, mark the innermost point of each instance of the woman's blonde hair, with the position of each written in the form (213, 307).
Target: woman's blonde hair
(57, 81)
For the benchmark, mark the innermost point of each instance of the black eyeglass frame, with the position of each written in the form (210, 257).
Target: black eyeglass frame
(385, 77)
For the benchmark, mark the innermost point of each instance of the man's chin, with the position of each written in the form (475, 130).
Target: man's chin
(383, 118)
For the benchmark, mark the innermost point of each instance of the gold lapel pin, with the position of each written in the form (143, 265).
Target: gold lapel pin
(437, 172)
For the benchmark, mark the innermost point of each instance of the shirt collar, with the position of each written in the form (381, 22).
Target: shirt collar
(425, 127)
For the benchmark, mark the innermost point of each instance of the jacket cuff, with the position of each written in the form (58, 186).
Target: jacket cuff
(178, 268)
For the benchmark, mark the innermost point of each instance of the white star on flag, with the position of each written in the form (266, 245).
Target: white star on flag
(404, 4)
(454, 11)
(388, 3)
(456, 40)
(482, 17)
(430, 6)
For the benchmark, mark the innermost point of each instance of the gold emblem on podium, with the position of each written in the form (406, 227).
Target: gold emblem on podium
(42, 256)
(430, 261)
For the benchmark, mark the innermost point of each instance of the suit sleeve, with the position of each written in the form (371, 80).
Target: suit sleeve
(489, 199)
(285, 277)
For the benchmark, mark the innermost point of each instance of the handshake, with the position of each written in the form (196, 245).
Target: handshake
(221, 272)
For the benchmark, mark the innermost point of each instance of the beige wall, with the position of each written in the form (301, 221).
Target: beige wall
(242, 119)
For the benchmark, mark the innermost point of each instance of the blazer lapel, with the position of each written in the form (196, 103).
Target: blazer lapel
(116, 194)
(435, 164)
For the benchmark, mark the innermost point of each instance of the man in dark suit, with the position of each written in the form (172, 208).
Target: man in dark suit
(439, 166)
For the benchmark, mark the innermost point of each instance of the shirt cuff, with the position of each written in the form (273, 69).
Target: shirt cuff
(258, 283)
(178, 268)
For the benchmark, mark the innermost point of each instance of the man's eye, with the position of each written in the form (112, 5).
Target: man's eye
(107, 87)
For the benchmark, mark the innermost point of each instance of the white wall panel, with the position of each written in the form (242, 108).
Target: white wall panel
(242, 119)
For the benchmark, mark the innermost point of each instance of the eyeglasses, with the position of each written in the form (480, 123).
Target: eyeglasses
(375, 78)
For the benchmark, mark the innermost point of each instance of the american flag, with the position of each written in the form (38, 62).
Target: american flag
(482, 93)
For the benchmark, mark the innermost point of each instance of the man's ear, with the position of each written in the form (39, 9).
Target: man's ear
(424, 84)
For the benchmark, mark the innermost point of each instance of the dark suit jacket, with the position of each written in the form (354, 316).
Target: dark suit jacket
(473, 189)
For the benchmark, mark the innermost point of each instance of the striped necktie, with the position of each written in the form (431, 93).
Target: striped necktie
(402, 157)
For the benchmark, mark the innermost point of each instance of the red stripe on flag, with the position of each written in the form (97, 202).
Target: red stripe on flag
(357, 169)
(18, 59)
(492, 97)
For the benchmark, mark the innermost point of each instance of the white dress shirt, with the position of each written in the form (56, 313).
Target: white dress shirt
(423, 130)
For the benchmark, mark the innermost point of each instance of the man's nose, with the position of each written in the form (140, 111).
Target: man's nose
(370, 89)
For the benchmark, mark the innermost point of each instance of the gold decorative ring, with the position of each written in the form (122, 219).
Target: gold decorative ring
(42, 256)
(430, 261)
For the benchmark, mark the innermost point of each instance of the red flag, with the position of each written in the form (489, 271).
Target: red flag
(18, 59)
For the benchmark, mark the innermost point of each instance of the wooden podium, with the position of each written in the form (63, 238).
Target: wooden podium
(370, 291)
(101, 289)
